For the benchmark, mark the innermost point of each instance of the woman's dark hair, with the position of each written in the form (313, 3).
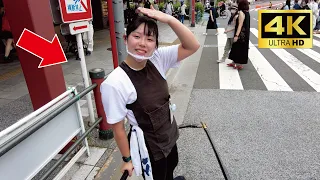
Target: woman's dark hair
(243, 5)
(150, 28)
(211, 3)
(288, 2)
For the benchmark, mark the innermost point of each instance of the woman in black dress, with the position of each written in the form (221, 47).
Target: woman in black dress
(240, 47)
(212, 22)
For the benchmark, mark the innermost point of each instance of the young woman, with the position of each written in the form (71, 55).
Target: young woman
(240, 47)
(212, 21)
(138, 90)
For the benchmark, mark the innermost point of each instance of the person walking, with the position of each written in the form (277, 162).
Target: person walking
(182, 13)
(240, 47)
(88, 38)
(230, 31)
(212, 21)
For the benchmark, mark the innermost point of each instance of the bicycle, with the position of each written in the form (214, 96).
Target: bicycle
(224, 14)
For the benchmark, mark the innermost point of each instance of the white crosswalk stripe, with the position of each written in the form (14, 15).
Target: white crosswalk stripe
(268, 74)
(311, 77)
(316, 35)
(230, 78)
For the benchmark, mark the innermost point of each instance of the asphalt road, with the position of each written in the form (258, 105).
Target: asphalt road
(264, 119)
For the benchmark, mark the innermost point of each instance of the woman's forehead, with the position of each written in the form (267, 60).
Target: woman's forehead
(142, 29)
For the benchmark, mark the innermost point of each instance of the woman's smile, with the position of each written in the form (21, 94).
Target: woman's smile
(141, 52)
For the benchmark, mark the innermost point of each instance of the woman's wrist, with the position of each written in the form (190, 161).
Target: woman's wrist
(170, 19)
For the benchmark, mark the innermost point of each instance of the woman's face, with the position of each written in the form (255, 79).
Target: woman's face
(141, 44)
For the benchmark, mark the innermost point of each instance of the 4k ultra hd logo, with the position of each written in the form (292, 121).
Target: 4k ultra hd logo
(285, 29)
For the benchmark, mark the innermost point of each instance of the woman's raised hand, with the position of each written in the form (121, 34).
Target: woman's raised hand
(155, 14)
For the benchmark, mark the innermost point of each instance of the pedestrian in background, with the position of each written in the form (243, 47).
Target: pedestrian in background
(230, 31)
(212, 21)
(240, 47)
(88, 38)
(182, 13)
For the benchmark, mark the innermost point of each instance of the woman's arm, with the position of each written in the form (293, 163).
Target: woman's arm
(211, 16)
(122, 141)
(241, 19)
(229, 30)
(121, 138)
(189, 43)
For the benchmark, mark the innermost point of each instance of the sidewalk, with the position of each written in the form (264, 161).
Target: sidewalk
(15, 102)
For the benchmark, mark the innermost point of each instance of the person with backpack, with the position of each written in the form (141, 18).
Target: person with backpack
(230, 31)
(182, 12)
(169, 8)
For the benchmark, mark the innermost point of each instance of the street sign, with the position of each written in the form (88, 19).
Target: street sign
(75, 10)
(79, 27)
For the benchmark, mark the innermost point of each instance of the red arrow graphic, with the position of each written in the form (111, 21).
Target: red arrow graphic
(79, 27)
(50, 53)
(84, 6)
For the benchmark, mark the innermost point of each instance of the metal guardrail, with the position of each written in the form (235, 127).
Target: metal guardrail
(21, 136)
(65, 155)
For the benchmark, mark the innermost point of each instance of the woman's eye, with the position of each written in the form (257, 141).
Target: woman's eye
(136, 36)
(150, 39)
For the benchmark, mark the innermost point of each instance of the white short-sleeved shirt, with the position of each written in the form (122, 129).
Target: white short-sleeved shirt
(117, 90)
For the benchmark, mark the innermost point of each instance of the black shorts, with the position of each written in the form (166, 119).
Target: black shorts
(6, 35)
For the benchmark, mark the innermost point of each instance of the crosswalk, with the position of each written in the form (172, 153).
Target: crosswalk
(295, 64)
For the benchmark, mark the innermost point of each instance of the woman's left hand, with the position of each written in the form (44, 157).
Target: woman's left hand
(235, 39)
(155, 14)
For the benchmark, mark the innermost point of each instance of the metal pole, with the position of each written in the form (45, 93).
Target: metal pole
(97, 76)
(223, 169)
(119, 29)
(112, 34)
(193, 24)
(85, 76)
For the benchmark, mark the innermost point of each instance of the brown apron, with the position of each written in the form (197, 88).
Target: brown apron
(151, 109)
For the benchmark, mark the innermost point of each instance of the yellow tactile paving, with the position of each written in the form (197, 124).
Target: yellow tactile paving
(10, 74)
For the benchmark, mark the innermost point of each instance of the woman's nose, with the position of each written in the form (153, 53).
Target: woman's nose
(142, 42)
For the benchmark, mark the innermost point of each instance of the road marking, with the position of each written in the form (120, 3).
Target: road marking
(316, 43)
(311, 53)
(229, 78)
(310, 76)
(269, 76)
